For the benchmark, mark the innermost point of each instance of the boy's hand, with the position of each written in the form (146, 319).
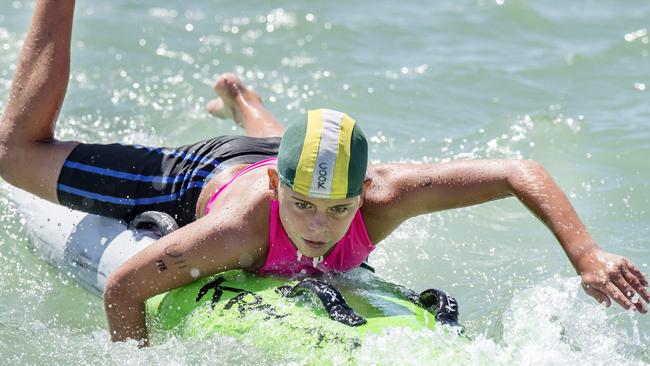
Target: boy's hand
(605, 275)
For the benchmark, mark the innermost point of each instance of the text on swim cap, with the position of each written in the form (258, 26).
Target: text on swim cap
(322, 175)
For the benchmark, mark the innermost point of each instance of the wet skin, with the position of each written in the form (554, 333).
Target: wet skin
(235, 234)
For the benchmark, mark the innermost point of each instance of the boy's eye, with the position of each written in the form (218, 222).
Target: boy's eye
(302, 205)
(340, 210)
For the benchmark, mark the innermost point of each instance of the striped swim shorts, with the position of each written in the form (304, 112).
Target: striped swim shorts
(122, 181)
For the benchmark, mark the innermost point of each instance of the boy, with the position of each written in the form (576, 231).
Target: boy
(315, 207)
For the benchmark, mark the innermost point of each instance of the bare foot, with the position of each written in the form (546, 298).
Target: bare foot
(233, 97)
(244, 106)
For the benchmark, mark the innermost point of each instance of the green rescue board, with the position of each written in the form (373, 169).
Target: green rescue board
(312, 314)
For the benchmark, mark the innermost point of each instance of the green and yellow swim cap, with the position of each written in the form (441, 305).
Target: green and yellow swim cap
(326, 157)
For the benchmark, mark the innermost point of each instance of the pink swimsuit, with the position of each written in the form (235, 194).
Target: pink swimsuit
(283, 258)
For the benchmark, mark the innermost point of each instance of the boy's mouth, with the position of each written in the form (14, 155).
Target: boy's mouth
(314, 244)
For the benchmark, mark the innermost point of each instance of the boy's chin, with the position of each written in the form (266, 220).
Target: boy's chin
(312, 252)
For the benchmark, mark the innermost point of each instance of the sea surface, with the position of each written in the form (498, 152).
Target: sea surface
(564, 83)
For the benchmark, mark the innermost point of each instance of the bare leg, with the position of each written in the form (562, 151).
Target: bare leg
(30, 158)
(243, 106)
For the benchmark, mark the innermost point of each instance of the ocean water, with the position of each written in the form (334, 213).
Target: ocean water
(563, 83)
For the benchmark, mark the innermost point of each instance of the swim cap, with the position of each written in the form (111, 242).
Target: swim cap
(324, 157)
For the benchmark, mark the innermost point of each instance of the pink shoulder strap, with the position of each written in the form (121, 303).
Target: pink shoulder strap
(259, 164)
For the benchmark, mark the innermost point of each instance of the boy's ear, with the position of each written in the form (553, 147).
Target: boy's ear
(366, 186)
(274, 182)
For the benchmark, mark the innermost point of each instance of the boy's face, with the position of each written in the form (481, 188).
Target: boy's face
(315, 225)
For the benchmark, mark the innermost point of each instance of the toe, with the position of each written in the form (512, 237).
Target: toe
(217, 108)
(228, 83)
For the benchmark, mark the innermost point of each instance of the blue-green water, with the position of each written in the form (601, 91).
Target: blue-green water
(563, 83)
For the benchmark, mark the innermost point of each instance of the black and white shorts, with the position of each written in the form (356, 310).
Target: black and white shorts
(122, 181)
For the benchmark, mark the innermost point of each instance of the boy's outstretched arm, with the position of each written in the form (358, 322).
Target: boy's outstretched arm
(409, 190)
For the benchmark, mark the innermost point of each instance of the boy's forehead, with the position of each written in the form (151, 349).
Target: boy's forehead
(288, 192)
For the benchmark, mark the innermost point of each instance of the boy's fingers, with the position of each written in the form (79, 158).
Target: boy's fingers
(598, 295)
(618, 296)
(637, 273)
(636, 284)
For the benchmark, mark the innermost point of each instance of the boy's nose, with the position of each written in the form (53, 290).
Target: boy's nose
(318, 223)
